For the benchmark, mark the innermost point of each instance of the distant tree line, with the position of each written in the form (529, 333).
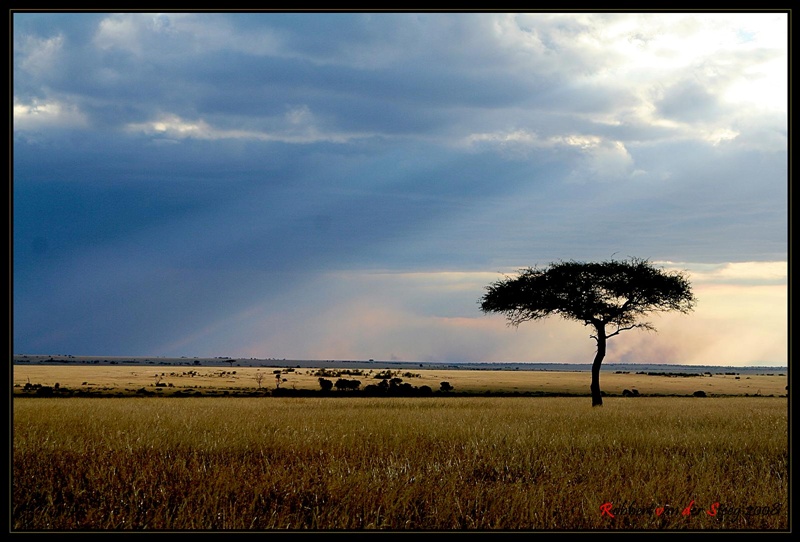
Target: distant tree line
(386, 387)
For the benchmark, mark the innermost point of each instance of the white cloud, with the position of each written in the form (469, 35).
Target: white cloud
(121, 31)
(297, 126)
(713, 78)
(714, 47)
(735, 63)
(37, 115)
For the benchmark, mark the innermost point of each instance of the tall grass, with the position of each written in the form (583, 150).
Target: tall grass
(399, 464)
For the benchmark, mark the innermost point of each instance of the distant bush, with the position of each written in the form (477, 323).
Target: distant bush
(45, 391)
(345, 384)
(396, 388)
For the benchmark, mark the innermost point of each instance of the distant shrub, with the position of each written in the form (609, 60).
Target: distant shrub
(45, 391)
(396, 388)
(345, 384)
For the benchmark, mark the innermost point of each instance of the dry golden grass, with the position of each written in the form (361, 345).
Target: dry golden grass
(457, 463)
(127, 379)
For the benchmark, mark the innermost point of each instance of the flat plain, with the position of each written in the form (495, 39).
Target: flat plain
(484, 457)
(177, 380)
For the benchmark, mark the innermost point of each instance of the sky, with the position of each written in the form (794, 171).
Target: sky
(345, 185)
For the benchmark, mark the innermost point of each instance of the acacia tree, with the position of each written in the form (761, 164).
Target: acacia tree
(611, 297)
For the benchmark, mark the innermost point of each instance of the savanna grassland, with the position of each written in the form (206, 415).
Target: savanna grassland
(411, 463)
(180, 381)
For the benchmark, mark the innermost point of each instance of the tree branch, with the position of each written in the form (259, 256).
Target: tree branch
(620, 329)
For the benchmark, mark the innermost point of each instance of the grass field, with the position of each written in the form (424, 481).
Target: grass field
(172, 380)
(426, 463)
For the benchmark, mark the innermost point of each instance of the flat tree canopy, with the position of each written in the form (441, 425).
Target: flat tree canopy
(610, 296)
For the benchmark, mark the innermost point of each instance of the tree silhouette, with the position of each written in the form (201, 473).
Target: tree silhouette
(345, 384)
(259, 378)
(598, 294)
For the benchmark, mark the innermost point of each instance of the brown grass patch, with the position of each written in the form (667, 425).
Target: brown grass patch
(459, 463)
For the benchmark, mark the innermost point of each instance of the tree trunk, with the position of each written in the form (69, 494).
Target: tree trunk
(597, 397)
